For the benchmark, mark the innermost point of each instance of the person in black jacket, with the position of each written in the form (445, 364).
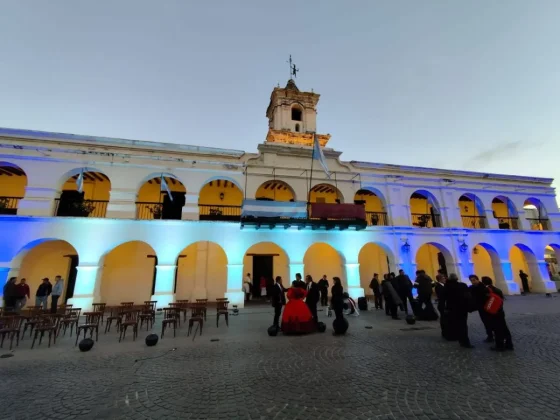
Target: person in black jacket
(456, 297)
(10, 294)
(324, 289)
(278, 300)
(424, 284)
(312, 298)
(443, 318)
(375, 287)
(480, 295)
(392, 299)
(404, 289)
(337, 298)
(502, 335)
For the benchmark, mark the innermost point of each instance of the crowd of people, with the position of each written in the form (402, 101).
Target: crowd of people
(455, 300)
(17, 294)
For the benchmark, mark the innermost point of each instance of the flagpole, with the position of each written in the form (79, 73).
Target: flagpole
(311, 176)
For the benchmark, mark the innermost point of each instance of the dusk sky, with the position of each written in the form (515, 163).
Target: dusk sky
(462, 85)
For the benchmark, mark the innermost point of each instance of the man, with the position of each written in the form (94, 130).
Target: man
(299, 282)
(376, 289)
(524, 281)
(443, 319)
(312, 297)
(23, 293)
(404, 290)
(57, 291)
(424, 286)
(480, 295)
(392, 299)
(10, 294)
(247, 290)
(278, 300)
(502, 334)
(455, 299)
(324, 289)
(42, 294)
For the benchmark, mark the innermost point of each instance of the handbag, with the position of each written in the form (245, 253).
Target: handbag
(493, 303)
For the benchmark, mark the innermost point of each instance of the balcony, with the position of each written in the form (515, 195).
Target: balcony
(80, 208)
(158, 211)
(377, 218)
(9, 205)
(426, 220)
(539, 224)
(219, 213)
(508, 223)
(474, 222)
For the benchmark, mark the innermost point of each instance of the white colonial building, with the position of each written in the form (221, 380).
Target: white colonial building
(94, 210)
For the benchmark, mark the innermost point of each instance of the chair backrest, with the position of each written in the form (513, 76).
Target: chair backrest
(222, 305)
(99, 307)
(74, 313)
(169, 312)
(197, 310)
(49, 320)
(93, 317)
(127, 304)
(10, 322)
(131, 316)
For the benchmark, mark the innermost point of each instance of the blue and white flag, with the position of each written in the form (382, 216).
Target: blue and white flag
(318, 154)
(80, 182)
(165, 187)
(261, 208)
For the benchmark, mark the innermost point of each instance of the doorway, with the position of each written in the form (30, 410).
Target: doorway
(72, 274)
(442, 263)
(262, 267)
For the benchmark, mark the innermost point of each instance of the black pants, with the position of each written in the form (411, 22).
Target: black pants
(313, 309)
(324, 297)
(487, 321)
(425, 303)
(277, 313)
(378, 299)
(406, 297)
(458, 326)
(54, 303)
(10, 302)
(338, 311)
(501, 331)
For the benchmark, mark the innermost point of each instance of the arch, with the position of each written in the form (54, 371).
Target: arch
(424, 209)
(47, 257)
(13, 181)
(322, 258)
(220, 199)
(374, 258)
(523, 258)
(432, 257)
(552, 257)
(266, 259)
(154, 202)
(473, 213)
(129, 271)
(85, 192)
(325, 193)
(201, 272)
(374, 203)
(505, 212)
(536, 214)
(275, 190)
(297, 112)
(486, 262)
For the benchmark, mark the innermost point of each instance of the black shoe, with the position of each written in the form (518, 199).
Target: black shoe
(497, 349)
(489, 340)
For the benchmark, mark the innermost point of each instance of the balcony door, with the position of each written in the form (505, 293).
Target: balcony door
(69, 202)
(172, 210)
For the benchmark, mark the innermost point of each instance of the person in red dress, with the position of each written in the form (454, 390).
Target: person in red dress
(297, 318)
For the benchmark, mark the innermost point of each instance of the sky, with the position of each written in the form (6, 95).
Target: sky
(458, 85)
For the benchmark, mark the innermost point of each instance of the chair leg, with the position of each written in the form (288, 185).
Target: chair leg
(227, 319)
(34, 338)
(2, 343)
(189, 330)
(201, 327)
(174, 330)
(217, 319)
(97, 333)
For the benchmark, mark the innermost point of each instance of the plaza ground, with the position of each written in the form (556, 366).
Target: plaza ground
(386, 372)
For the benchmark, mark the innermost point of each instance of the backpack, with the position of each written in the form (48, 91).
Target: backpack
(493, 303)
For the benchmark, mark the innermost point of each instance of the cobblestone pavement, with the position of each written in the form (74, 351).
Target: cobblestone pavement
(386, 372)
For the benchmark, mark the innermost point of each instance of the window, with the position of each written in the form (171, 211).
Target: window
(297, 128)
(296, 113)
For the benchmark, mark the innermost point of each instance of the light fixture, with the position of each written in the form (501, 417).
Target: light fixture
(463, 247)
(406, 246)
(222, 195)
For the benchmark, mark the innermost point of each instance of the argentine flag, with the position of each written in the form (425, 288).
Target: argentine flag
(80, 182)
(318, 154)
(165, 187)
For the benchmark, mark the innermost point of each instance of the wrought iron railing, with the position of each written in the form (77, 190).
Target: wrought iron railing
(474, 222)
(157, 211)
(539, 224)
(219, 212)
(9, 205)
(377, 218)
(80, 208)
(508, 223)
(426, 220)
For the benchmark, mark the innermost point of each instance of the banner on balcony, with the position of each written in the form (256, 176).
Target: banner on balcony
(260, 208)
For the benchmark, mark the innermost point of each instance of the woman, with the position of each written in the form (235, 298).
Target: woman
(337, 298)
(297, 318)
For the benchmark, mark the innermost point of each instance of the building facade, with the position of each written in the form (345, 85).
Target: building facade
(126, 220)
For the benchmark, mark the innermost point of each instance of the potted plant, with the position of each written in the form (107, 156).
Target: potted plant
(82, 208)
(423, 220)
(374, 220)
(157, 211)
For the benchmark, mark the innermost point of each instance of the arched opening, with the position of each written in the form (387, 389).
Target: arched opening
(486, 262)
(524, 267)
(472, 211)
(13, 181)
(376, 214)
(161, 197)
(297, 128)
(275, 190)
(265, 260)
(325, 193)
(322, 259)
(85, 193)
(536, 214)
(297, 113)
(201, 272)
(552, 256)
(129, 274)
(505, 212)
(49, 258)
(374, 258)
(424, 210)
(220, 199)
(432, 257)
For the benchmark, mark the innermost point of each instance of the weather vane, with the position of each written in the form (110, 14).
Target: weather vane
(293, 69)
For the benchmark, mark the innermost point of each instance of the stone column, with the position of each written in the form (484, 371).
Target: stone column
(491, 221)
(190, 209)
(87, 287)
(540, 278)
(38, 201)
(165, 284)
(235, 293)
(510, 287)
(201, 271)
(398, 208)
(353, 281)
(294, 268)
(122, 204)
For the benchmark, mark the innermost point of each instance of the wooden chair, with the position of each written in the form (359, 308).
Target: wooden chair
(153, 303)
(184, 305)
(203, 303)
(48, 324)
(115, 314)
(99, 307)
(169, 318)
(127, 304)
(130, 319)
(10, 327)
(32, 319)
(178, 309)
(91, 325)
(222, 309)
(71, 318)
(148, 315)
(197, 317)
